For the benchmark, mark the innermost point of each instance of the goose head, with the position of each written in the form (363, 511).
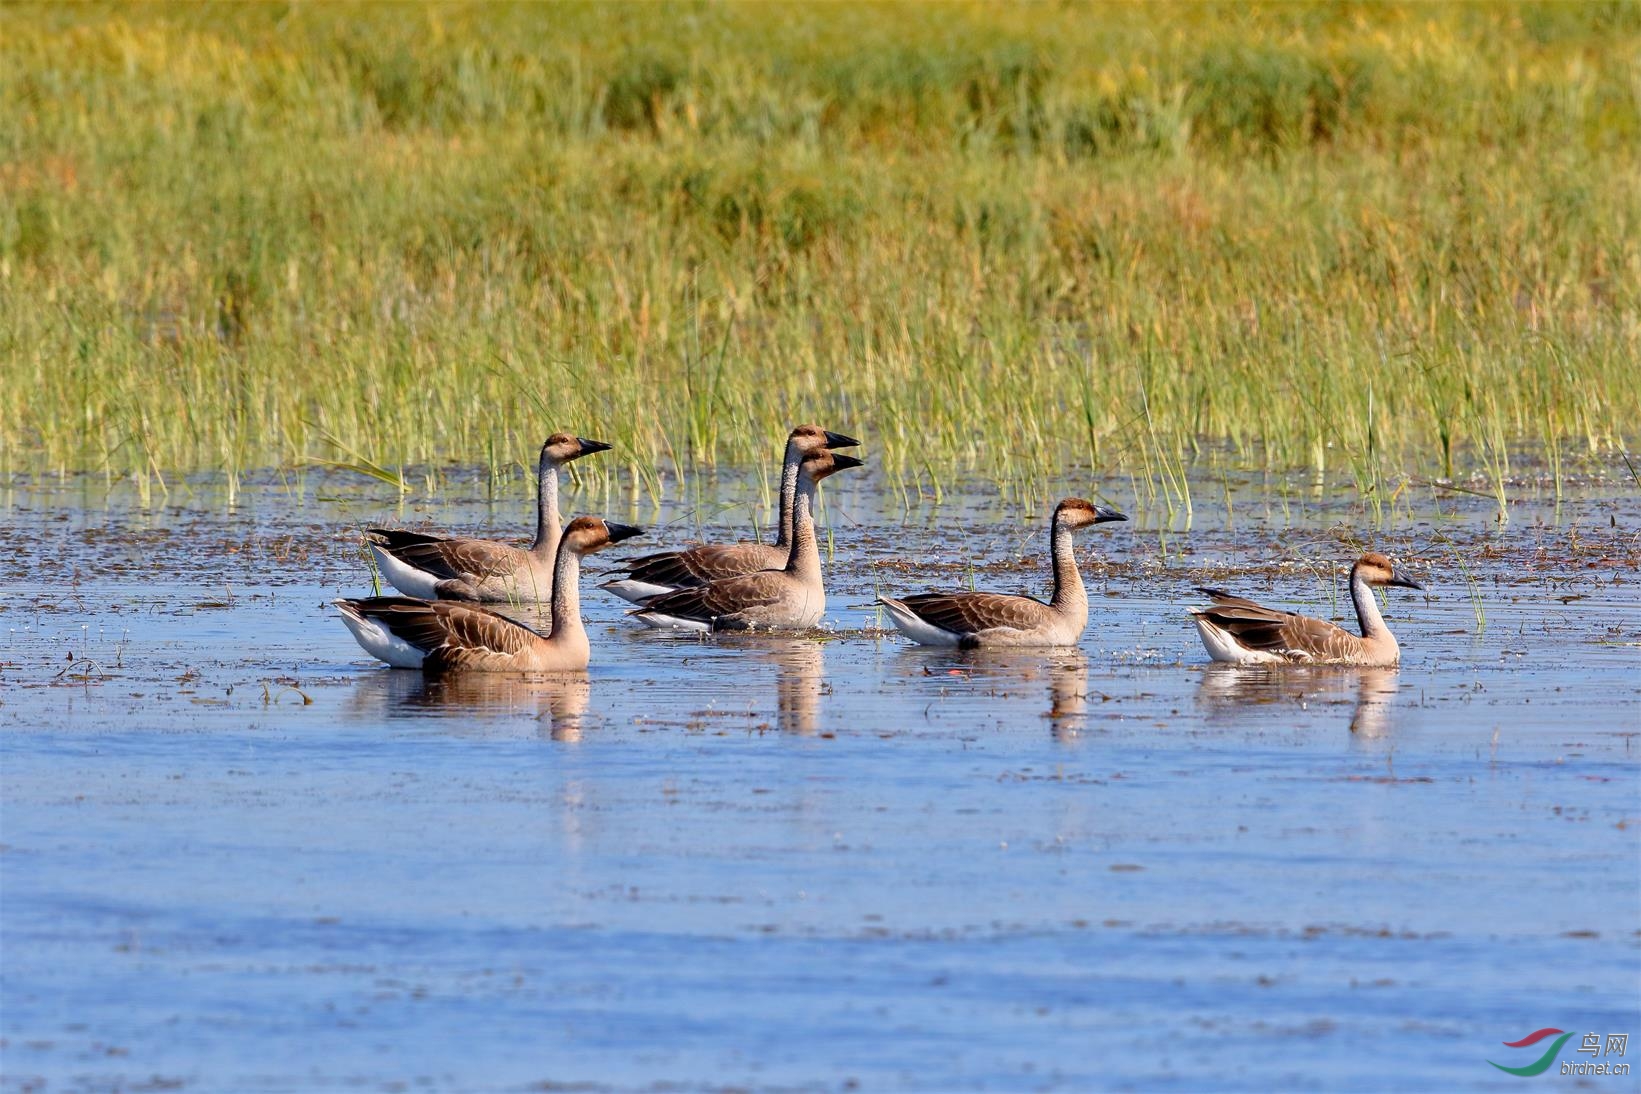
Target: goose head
(807, 438)
(1077, 513)
(564, 447)
(587, 535)
(1377, 569)
(823, 462)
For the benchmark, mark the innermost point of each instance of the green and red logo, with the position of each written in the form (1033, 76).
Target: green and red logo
(1542, 1064)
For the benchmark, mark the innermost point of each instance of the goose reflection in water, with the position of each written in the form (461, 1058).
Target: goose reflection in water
(1014, 673)
(478, 703)
(1239, 693)
(1067, 694)
(800, 669)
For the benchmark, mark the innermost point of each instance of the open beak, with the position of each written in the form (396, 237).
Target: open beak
(841, 462)
(1103, 515)
(838, 440)
(1398, 576)
(619, 532)
(589, 447)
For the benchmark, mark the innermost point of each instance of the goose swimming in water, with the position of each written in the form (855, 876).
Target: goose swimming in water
(1243, 632)
(447, 635)
(969, 620)
(792, 597)
(454, 568)
(652, 575)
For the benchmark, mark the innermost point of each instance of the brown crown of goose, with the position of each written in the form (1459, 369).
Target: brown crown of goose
(587, 534)
(1076, 512)
(563, 447)
(823, 462)
(808, 437)
(1375, 568)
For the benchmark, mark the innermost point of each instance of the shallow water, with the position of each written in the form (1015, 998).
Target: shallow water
(238, 855)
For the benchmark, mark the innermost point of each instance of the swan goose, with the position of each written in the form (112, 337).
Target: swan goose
(454, 568)
(969, 620)
(447, 635)
(792, 597)
(652, 575)
(1242, 632)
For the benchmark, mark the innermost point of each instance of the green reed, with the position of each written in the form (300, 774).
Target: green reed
(1396, 238)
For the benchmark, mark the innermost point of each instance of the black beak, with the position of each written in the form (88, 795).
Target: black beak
(589, 447)
(841, 462)
(619, 532)
(838, 440)
(1104, 515)
(1399, 577)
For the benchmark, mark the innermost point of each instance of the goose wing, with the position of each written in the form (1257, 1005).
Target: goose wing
(725, 597)
(395, 537)
(1272, 630)
(451, 633)
(472, 560)
(697, 565)
(971, 613)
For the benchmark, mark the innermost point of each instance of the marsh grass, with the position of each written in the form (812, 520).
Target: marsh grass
(1478, 604)
(1014, 239)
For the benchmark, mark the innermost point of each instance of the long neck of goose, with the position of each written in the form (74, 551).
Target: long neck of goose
(803, 556)
(566, 594)
(1367, 608)
(789, 492)
(1069, 594)
(547, 529)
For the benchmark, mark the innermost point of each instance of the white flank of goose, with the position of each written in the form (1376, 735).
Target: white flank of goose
(652, 575)
(1242, 632)
(454, 568)
(790, 598)
(969, 620)
(449, 635)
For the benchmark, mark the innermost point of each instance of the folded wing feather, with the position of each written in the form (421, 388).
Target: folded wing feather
(698, 565)
(471, 560)
(1271, 630)
(725, 597)
(971, 613)
(449, 632)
